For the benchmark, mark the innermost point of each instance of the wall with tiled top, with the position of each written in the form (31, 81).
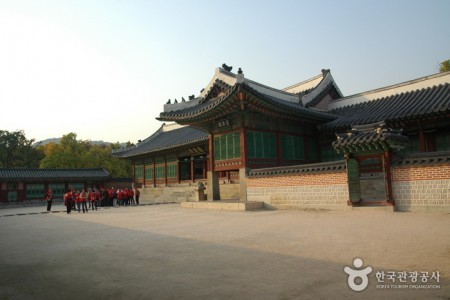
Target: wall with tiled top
(422, 188)
(326, 190)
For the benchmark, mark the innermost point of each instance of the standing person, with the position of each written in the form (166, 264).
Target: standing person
(119, 197)
(93, 199)
(131, 195)
(137, 193)
(68, 201)
(88, 196)
(78, 200)
(49, 198)
(112, 195)
(74, 198)
(105, 201)
(83, 200)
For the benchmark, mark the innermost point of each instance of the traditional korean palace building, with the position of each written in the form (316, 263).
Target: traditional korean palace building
(304, 146)
(19, 185)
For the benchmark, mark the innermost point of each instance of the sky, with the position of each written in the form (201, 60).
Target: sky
(103, 69)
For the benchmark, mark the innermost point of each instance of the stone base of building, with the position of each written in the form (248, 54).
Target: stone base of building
(225, 205)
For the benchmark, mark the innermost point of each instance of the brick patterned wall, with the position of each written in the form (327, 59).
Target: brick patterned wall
(312, 190)
(422, 187)
(325, 178)
(421, 173)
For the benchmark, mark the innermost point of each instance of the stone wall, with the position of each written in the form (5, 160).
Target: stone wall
(229, 191)
(422, 187)
(168, 194)
(315, 186)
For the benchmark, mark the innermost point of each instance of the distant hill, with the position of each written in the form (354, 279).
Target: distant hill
(57, 140)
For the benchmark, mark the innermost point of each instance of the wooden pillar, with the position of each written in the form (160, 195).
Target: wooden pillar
(212, 186)
(244, 147)
(165, 171)
(422, 142)
(279, 148)
(178, 170)
(387, 168)
(192, 168)
(154, 173)
(205, 168)
(211, 153)
(143, 174)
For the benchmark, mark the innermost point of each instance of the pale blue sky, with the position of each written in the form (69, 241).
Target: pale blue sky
(104, 69)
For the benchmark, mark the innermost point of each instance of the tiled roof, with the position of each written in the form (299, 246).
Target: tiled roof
(50, 174)
(286, 107)
(418, 104)
(326, 85)
(191, 113)
(423, 158)
(165, 139)
(367, 138)
(331, 87)
(297, 169)
(217, 105)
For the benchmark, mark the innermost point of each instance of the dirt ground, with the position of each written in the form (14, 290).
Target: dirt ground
(167, 252)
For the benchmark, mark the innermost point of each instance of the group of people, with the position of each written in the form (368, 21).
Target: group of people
(80, 200)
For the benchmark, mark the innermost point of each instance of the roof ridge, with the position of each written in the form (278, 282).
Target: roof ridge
(414, 83)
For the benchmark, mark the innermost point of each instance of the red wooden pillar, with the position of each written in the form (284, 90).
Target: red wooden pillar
(154, 173)
(143, 173)
(211, 153)
(387, 165)
(422, 143)
(165, 171)
(178, 169)
(192, 168)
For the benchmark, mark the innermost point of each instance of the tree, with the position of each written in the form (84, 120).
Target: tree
(16, 151)
(73, 153)
(444, 66)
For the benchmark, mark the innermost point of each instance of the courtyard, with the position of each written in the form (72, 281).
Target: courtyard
(169, 252)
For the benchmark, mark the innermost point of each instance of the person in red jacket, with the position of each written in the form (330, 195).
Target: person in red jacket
(49, 198)
(77, 201)
(68, 201)
(131, 196)
(120, 197)
(112, 195)
(94, 197)
(83, 200)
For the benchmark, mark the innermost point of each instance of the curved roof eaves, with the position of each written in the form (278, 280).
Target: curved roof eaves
(425, 102)
(166, 140)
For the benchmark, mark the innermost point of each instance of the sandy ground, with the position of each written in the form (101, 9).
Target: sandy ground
(166, 252)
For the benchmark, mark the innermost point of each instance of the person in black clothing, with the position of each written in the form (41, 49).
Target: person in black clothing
(105, 201)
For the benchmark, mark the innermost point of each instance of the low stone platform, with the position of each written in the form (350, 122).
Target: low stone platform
(224, 205)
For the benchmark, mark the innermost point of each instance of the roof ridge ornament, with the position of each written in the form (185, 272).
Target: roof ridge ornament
(227, 68)
(240, 76)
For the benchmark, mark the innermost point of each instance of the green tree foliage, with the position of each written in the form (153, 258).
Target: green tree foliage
(444, 66)
(16, 151)
(73, 153)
